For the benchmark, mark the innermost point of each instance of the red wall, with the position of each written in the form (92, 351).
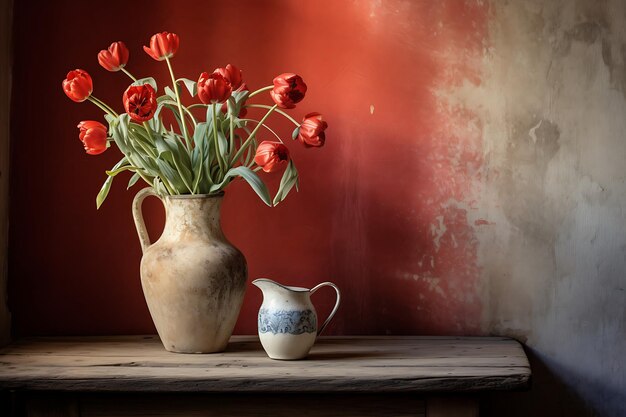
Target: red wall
(372, 203)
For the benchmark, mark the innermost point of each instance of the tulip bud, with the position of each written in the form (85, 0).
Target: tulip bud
(114, 58)
(271, 156)
(94, 136)
(78, 85)
(162, 45)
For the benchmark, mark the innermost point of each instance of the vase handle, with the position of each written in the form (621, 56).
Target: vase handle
(332, 313)
(144, 238)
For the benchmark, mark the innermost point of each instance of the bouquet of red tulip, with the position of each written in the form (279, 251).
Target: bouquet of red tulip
(200, 157)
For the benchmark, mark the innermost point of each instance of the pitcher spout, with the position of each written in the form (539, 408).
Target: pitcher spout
(266, 285)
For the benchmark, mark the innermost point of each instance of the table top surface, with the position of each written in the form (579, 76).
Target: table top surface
(335, 364)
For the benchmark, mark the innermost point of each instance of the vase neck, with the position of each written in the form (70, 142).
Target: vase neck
(197, 215)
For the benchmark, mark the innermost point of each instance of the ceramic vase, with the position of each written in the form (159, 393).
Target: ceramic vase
(193, 279)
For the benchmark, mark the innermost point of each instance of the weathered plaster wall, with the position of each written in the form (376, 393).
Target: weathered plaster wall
(552, 251)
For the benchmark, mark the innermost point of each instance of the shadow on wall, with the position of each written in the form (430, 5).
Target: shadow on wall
(549, 395)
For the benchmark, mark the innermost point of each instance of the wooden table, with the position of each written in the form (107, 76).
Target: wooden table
(343, 376)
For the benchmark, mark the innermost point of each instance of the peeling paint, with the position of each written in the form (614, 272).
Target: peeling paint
(437, 232)
(551, 104)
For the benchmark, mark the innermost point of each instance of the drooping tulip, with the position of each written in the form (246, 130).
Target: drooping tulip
(140, 102)
(213, 88)
(78, 85)
(114, 58)
(232, 74)
(162, 45)
(94, 136)
(288, 90)
(271, 156)
(311, 132)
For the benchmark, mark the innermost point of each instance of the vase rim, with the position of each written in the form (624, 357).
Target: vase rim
(192, 196)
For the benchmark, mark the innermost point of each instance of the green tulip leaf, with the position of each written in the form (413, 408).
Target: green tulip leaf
(182, 162)
(133, 180)
(222, 144)
(209, 113)
(104, 191)
(192, 86)
(289, 179)
(171, 172)
(155, 123)
(199, 139)
(295, 133)
(251, 178)
(122, 169)
(169, 93)
(172, 106)
(240, 96)
(109, 118)
(157, 184)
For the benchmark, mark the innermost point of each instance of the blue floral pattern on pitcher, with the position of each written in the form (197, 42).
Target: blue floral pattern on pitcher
(287, 322)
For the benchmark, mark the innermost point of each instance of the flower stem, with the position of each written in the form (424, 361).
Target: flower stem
(251, 136)
(132, 77)
(215, 138)
(97, 103)
(264, 106)
(232, 136)
(265, 126)
(105, 105)
(180, 108)
(190, 115)
(260, 90)
(197, 105)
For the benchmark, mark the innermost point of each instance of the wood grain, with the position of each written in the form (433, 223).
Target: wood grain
(6, 17)
(336, 364)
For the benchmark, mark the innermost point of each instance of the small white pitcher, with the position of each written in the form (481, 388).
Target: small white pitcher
(287, 319)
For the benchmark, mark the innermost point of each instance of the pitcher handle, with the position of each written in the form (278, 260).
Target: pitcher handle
(142, 232)
(332, 313)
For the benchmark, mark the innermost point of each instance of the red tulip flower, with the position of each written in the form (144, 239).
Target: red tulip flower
(114, 58)
(140, 102)
(232, 75)
(94, 136)
(162, 45)
(213, 88)
(78, 85)
(271, 156)
(311, 132)
(288, 90)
